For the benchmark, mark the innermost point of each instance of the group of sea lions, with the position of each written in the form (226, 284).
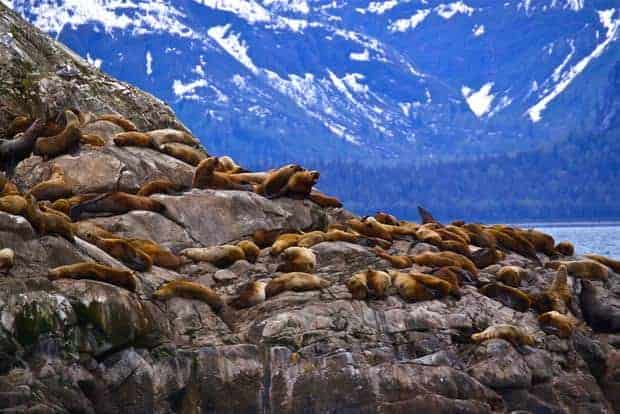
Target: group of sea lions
(457, 252)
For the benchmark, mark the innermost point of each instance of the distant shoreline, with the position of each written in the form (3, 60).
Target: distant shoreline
(529, 224)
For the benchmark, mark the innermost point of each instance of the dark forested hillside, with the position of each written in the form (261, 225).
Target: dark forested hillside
(574, 180)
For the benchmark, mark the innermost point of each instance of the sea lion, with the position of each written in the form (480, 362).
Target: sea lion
(19, 124)
(7, 259)
(122, 250)
(557, 324)
(276, 180)
(265, 238)
(464, 236)
(160, 137)
(340, 235)
(447, 235)
(511, 275)
(47, 223)
(386, 218)
(610, 263)
(251, 294)
(323, 200)
(442, 288)
(441, 259)
(486, 256)
(189, 290)
(426, 216)
(426, 235)
(599, 315)
(13, 204)
(565, 248)
(221, 256)
(409, 288)
(513, 334)
(185, 153)
(542, 242)
(250, 250)
(299, 184)
(64, 204)
(228, 165)
(283, 242)
(557, 297)
(248, 177)
(206, 177)
(509, 296)
(583, 269)
(119, 120)
(159, 187)
(295, 281)
(133, 139)
(455, 246)
(54, 188)
(160, 256)
(86, 229)
(310, 239)
(398, 262)
(95, 271)
(480, 236)
(370, 227)
(452, 275)
(297, 259)
(15, 150)
(115, 203)
(10, 189)
(53, 146)
(510, 240)
(92, 139)
(370, 283)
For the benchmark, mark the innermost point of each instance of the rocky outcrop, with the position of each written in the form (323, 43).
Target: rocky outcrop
(89, 346)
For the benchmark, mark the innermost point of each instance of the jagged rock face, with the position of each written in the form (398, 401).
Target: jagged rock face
(88, 346)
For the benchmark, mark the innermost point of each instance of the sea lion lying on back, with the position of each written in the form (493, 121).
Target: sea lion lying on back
(50, 147)
(116, 203)
(54, 188)
(15, 150)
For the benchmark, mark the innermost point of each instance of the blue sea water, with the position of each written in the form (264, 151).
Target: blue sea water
(599, 238)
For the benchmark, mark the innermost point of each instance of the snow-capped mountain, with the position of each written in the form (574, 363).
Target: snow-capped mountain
(356, 79)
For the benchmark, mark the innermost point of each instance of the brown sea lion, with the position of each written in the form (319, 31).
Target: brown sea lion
(480, 236)
(276, 180)
(85, 229)
(396, 261)
(19, 124)
(133, 139)
(265, 238)
(250, 250)
(116, 203)
(542, 242)
(453, 275)
(296, 282)
(228, 165)
(513, 334)
(340, 235)
(64, 204)
(300, 184)
(425, 215)
(440, 287)
(7, 260)
(10, 189)
(221, 256)
(160, 137)
(426, 235)
(53, 146)
(447, 235)
(13, 204)
(251, 294)
(122, 250)
(160, 255)
(455, 246)
(297, 259)
(409, 288)
(119, 120)
(92, 139)
(323, 200)
(95, 271)
(510, 239)
(486, 256)
(557, 324)
(583, 269)
(310, 239)
(185, 153)
(509, 296)
(370, 227)
(206, 177)
(370, 283)
(565, 248)
(54, 188)
(47, 223)
(511, 275)
(189, 290)
(441, 259)
(15, 150)
(283, 242)
(386, 218)
(610, 263)
(160, 187)
(248, 178)
(557, 297)
(460, 232)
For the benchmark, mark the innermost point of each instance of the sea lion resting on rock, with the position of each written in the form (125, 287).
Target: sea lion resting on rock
(47, 223)
(13, 204)
(95, 271)
(276, 180)
(513, 334)
(183, 152)
(555, 323)
(340, 235)
(160, 256)
(565, 248)
(249, 295)
(119, 120)
(386, 218)
(371, 283)
(120, 249)
(411, 289)
(486, 256)
(160, 187)
(398, 262)
(228, 165)
(133, 139)
(295, 281)
(323, 200)
(583, 269)
(220, 256)
(160, 137)
(54, 188)
(50, 147)
(297, 259)
(299, 184)
(511, 275)
(509, 296)
(265, 238)
(116, 203)
(206, 177)
(283, 242)
(557, 297)
(64, 204)
(442, 259)
(310, 239)
(250, 250)
(15, 150)
(440, 287)
(190, 290)
(610, 263)
(370, 227)
(7, 259)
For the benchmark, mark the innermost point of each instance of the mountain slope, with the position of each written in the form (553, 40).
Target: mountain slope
(393, 80)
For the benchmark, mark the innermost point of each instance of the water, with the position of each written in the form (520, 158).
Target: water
(599, 238)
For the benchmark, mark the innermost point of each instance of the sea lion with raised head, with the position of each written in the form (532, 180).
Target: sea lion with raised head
(276, 180)
(53, 146)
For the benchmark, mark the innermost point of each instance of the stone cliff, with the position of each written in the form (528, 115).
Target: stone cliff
(81, 345)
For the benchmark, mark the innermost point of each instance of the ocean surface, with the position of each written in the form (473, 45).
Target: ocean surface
(600, 238)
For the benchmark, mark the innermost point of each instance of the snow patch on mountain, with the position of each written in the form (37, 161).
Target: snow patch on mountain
(612, 25)
(377, 7)
(360, 57)
(478, 30)
(249, 10)
(233, 45)
(188, 90)
(479, 101)
(447, 11)
(294, 6)
(95, 62)
(149, 63)
(558, 71)
(402, 25)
